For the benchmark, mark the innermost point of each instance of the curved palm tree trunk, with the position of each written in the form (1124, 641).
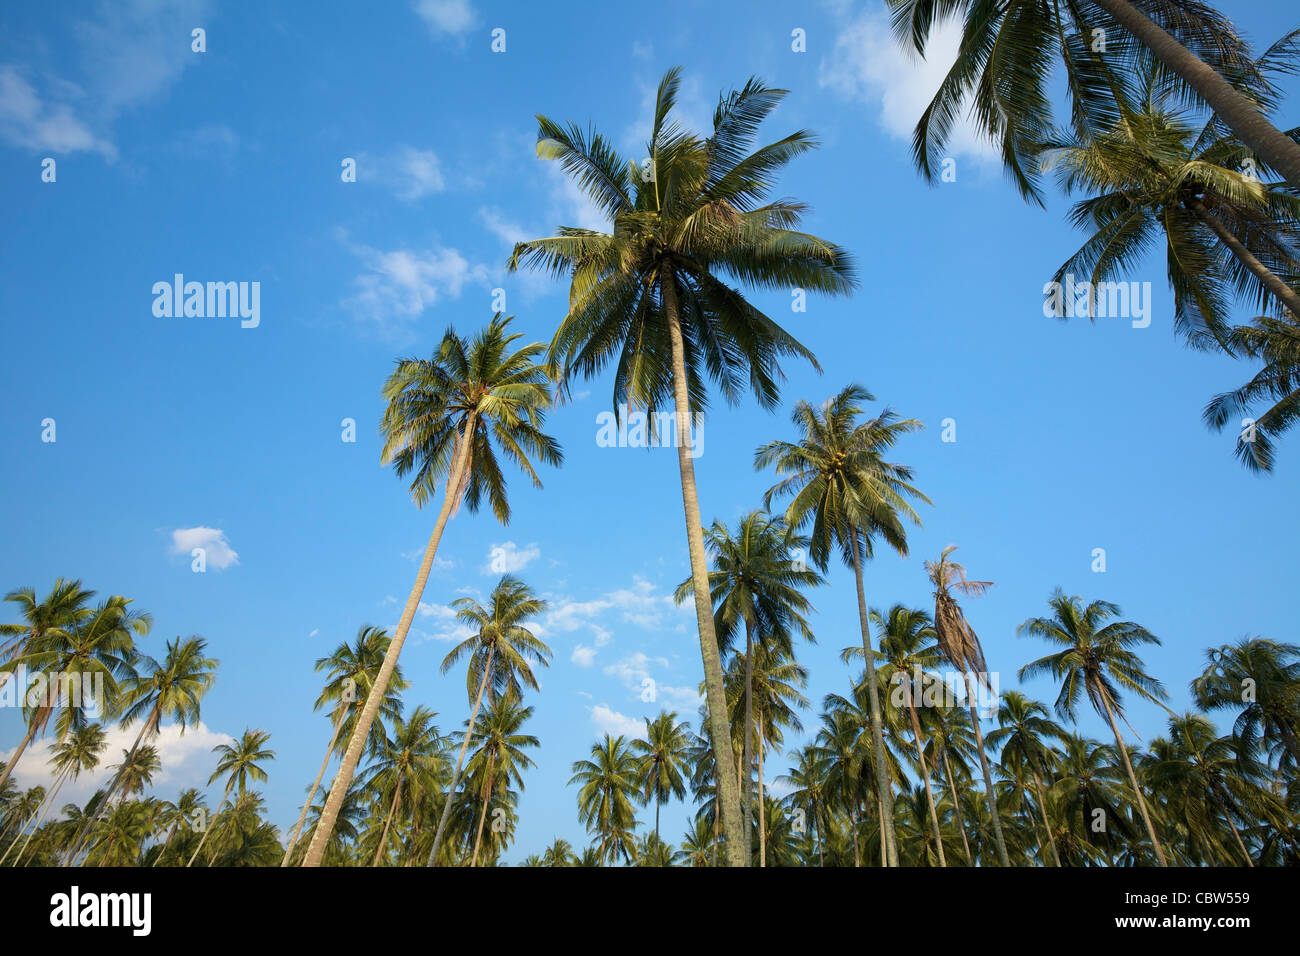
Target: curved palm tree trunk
(1132, 779)
(343, 779)
(315, 785)
(211, 823)
(1280, 290)
(817, 822)
(38, 719)
(388, 822)
(956, 806)
(762, 808)
(46, 805)
(460, 761)
(1047, 827)
(925, 775)
(733, 827)
(994, 815)
(166, 843)
(747, 751)
(853, 829)
(1236, 835)
(482, 816)
(884, 791)
(1236, 110)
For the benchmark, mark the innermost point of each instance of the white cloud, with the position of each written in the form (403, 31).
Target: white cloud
(218, 553)
(447, 16)
(686, 699)
(444, 624)
(584, 655)
(868, 64)
(186, 761)
(507, 231)
(634, 670)
(608, 721)
(28, 121)
(410, 174)
(509, 557)
(314, 632)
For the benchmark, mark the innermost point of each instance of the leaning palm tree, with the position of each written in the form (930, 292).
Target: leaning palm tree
(78, 751)
(352, 670)
(1009, 50)
(961, 646)
(608, 784)
(240, 762)
(444, 417)
(652, 296)
(1096, 659)
(662, 760)
(500, 651)
(1024, 737)
(756, 582)
(1276, 342)
(839, 481)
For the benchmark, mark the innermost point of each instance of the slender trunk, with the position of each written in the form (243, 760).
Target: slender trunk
(994, 815)
(342, 780)
(460, 761)
(853, 829)
(657, 814)
(1047, 827)
(884, 791)
(817, 822)
(925, 775)
(38, 719)
(762, 808)
(1132, 779)
(37, 817)
(482, 816)
(211, 823)
(315, 785)
(733, 828)
(1235, 109)
(747, 750)
(166, 843)
(1280, 290)
(1236, 835)
(388, 822)
(956, 805)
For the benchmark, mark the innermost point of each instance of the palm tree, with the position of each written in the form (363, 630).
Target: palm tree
(443, 417)
(500, 651)
(951, 743)
(1008, 50)
(240, 762)
(1096, 659)
(88, 653)
(407, 765)
(175, 815)
(652, 296)
(559, 853)
(1024, 738)
(1261, 679)
(64, 606)
(807, 790)
(961, 646)
(777, 679)
(1277, 343)
(661, 760)
(608, 785)
(756, 580)
(352, 670)
(838, 480)
(500, 755)
(78, 751)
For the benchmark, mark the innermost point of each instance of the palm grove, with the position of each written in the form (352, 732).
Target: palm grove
(920, 761)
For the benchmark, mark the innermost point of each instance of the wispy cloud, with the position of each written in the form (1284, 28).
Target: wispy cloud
(447, 17)
(508, 558)
(408, 173)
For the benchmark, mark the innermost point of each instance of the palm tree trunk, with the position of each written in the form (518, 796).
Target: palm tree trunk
(733, 828)
(210, 823)
(1236, 835)
(37, 817)
(487, 798)
(38, 718)
(315, 785)
(956, 806)
(1047, 827)
(342, 780)
(762, 808)
(388, 822)
(853, 829)
(884, 791)
(817, 822)
(1132, 779)
(657, 801)
(994, 815)
(460, 761)
(166, 843)
(925, 775)
(1235, 109)
(747, 751)
(1280, 290)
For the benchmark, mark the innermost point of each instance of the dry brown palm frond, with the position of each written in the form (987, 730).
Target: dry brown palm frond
(957, 639)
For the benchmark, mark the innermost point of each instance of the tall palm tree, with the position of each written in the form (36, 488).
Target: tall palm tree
(97, 650)
(1276, 342)
(407, 765)
(652, 296)
(500, 756)
(501, 652)
(1009, 50)
(62, 607)
(951, 744)
(807, 787)
(443, 418)
(1260, 679)
(352, 670)
(78, 751)
(239, 762)
(837, 479)
(1024, 737)
(1096, 659)
(961, 646)
(755, 582)
(608, 784)
(777, 680)
(661, 760)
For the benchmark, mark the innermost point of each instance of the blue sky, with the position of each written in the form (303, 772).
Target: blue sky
(225, 166)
